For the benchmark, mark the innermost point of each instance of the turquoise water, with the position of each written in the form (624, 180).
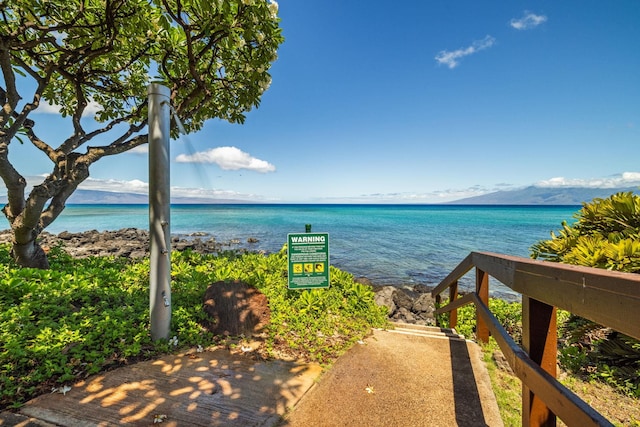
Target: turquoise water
(389, 244)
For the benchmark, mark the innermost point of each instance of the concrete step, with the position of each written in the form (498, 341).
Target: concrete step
(426, 331)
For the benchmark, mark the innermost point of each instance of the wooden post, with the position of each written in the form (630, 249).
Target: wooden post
(540, 341)
(453, 314)
(482, 290)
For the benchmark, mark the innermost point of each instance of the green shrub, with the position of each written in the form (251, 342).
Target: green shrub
(86, 315)
(509, 314)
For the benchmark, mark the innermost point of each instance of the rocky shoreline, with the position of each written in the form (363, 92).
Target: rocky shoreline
(404, 303)
(127, 242)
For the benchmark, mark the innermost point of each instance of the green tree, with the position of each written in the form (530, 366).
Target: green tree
(606, 234)
(81, 55)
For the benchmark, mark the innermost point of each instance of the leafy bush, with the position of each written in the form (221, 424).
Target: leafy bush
(84, 316)
(509, 314)
(606, 234)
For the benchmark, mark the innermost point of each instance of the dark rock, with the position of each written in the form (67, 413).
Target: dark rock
(404, 315)
(501, 362)
(424, 304)
(65, 235)
(401, 299)
(406, 304)
(182, 245)
(364, 281)
(126, 242)
(422, 289)
(384, 297)
(137, 254)
(236, 309)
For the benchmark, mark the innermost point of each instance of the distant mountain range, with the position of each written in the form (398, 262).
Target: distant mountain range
(91, 197)
(527, 196)
(543, 196)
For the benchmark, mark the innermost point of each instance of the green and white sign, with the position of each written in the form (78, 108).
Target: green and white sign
(308, 255)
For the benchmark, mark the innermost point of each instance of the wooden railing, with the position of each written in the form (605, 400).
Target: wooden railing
(608, 298)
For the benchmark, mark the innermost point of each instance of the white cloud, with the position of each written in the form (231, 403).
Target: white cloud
(452, 58)
(115, 185)
(203, 193)
(140, 187)
(622, 180)
(435, 196)
(228, 158)
(137, 186)
(625, 179)
(528, 21)
(46, 107)
(91, 109)
(140, 149)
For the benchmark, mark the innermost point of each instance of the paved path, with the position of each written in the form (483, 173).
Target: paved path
(406, 377)
(395, 378)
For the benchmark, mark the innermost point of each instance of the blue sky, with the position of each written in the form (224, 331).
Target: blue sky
(418, 102)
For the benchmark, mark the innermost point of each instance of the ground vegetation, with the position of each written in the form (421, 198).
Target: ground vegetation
(90, 315)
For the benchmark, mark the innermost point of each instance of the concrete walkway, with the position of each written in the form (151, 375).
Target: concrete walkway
(404, 377)
(410, 376)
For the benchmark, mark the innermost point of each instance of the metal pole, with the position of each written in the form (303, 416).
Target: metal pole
(159, 211)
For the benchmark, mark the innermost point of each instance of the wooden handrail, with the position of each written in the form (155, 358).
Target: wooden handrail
(605, 297)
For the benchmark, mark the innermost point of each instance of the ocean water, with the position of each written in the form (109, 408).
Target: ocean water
(389, 244)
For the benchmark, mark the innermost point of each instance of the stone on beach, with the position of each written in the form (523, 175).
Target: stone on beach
(126, 242)
(407, 304)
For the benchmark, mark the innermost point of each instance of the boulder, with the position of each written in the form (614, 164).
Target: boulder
(407, 305)
(384, 297)
(424, 304)
(236, 309)
(404, 315)
(401, 299)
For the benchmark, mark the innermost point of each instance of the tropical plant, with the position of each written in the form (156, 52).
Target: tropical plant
(98, 57)
(606, 234)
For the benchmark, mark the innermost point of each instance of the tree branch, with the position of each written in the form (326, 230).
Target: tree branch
(15, 184)
(96, 153)
(11, 96)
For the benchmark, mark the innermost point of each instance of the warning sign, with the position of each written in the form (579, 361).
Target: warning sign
(308, 255)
